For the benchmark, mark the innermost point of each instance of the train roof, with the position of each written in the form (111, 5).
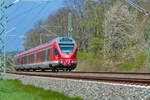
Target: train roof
(65, 39)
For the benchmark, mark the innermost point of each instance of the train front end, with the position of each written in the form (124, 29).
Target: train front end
(66, 53)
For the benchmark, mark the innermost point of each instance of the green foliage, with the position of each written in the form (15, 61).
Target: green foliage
(93, 20)
(82, 55)
(133, 66)
(91, 62)
(14, 90)
(96, 45)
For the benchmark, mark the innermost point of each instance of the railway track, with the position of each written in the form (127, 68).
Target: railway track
(112, 77)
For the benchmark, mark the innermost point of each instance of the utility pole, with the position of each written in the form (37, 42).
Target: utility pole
(3, 38)
(147, 13)
(70, 24)
(3, 8)
(149, 45)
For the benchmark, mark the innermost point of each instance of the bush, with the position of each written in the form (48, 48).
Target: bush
(82, 55)
(133, 66)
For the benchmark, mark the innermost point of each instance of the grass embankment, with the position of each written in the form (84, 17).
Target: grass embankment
(137, 65)
(15, 90)
(89, 62)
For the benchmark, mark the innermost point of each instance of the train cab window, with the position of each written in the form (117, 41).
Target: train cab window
(66, 48)
(55, 51)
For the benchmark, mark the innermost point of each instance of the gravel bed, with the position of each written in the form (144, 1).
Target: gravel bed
(88, 90)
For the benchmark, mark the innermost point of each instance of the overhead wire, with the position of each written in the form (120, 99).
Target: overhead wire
(28, 11)
(136, 6)
(16, 9)
(24, 13)
(37, 14)
(34, 17)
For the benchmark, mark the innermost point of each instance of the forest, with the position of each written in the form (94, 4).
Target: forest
(111, 34)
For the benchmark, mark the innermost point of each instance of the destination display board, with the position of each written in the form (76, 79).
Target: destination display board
(65, 40)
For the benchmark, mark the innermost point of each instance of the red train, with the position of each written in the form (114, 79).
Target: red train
(58, 54)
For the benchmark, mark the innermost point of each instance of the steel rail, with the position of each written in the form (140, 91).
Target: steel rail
(89, 78)
(134, 73)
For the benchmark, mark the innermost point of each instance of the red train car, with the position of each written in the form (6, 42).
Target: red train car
(58, 54)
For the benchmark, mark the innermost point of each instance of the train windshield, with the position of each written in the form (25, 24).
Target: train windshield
(66, 48)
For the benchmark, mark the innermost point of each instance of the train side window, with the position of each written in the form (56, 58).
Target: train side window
(37, 57)
(55, 51)
(21, 60)
(16, 61)
(48, 54)
(32, 58)
(29, 58)
(25, 59)
(42, 55)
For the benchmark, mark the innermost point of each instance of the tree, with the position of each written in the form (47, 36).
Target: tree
(56, 23)
(122, 30)
(118, 28)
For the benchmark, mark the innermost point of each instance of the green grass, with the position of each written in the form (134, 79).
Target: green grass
(15, 90)
(82, 55)
(90, 62)
(134, 66)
